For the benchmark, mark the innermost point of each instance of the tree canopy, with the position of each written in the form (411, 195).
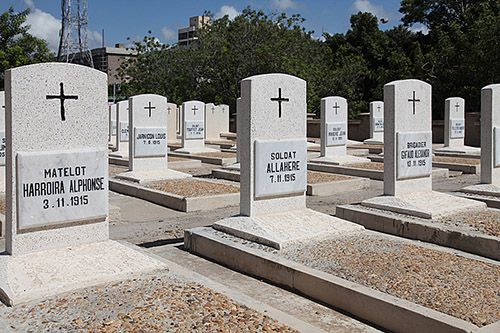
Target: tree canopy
(459, 55)
(17, 46)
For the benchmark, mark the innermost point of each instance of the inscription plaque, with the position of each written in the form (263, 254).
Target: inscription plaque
(195, 130)
(2, 148)
(57, 187)
(150, 141)
(280, 167)
(123, 131)
(378, 124)
(457, 128)
(414, 154)
(336, 134)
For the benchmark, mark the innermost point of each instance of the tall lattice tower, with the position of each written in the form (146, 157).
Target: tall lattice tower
(73, 44)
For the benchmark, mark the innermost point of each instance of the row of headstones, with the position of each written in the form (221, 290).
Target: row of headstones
(57, 169)
(334, 122)
(216, 119)
(273, 139)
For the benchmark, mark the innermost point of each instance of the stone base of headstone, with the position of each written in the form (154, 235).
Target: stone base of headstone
(312, 145)
(152, 175)
(42, 274)
(235, 166)
(196, 150)
(483, 189)
(119, 154)
(340, 160)
(280, 230)
(429, 204)
(372, 141)
(466, 150)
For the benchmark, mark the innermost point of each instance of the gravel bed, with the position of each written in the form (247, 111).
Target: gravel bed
(152, 303)
(177, 159)
(482, 221)
(314, 177)
(485, 221)
(193, 187)
(113, 170)
(368, 165)
(369, 146)
(472, 161)
(461, 287)
(218, 155)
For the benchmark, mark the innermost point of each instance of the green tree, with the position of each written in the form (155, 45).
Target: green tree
(228, 51)
(17, 46)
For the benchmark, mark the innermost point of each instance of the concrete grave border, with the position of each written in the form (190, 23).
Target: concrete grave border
(366, 173)
(206, 159)
(392, 313)
(419, 228)
(318, 189)
(174, 201)
(465, 168)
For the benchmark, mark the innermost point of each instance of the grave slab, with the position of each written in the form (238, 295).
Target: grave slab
(286, 228)
(426, 204)
(41, 274)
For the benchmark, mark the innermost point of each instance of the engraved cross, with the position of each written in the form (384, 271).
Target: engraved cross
(279, 99)
(62, 98)
(414, 100)
(150, 108)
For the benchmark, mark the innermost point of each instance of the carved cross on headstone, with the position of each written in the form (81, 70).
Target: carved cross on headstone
(457, 106)
(279, 99)
(213, 109)
(150, 108)
(336, 107)
(62, 98)
(379, 107)
(194, 109)
(414, 100)
(168, 109)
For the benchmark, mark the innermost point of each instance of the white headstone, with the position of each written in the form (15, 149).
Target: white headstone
(2, 139)
(490, 134)
(193, 124)
(407, 137)
(57, 193)
(377, 121)
(454, 122)
(180, 118)
(333, 126)
(273, 144)
(148, 144)
(112, 123)
(172, 122)
(238, 126)
(216, 120)
(122, 135)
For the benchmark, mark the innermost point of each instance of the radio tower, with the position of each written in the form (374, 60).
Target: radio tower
(73, 44)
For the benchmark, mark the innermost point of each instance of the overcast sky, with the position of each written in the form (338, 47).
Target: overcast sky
(122, 19)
